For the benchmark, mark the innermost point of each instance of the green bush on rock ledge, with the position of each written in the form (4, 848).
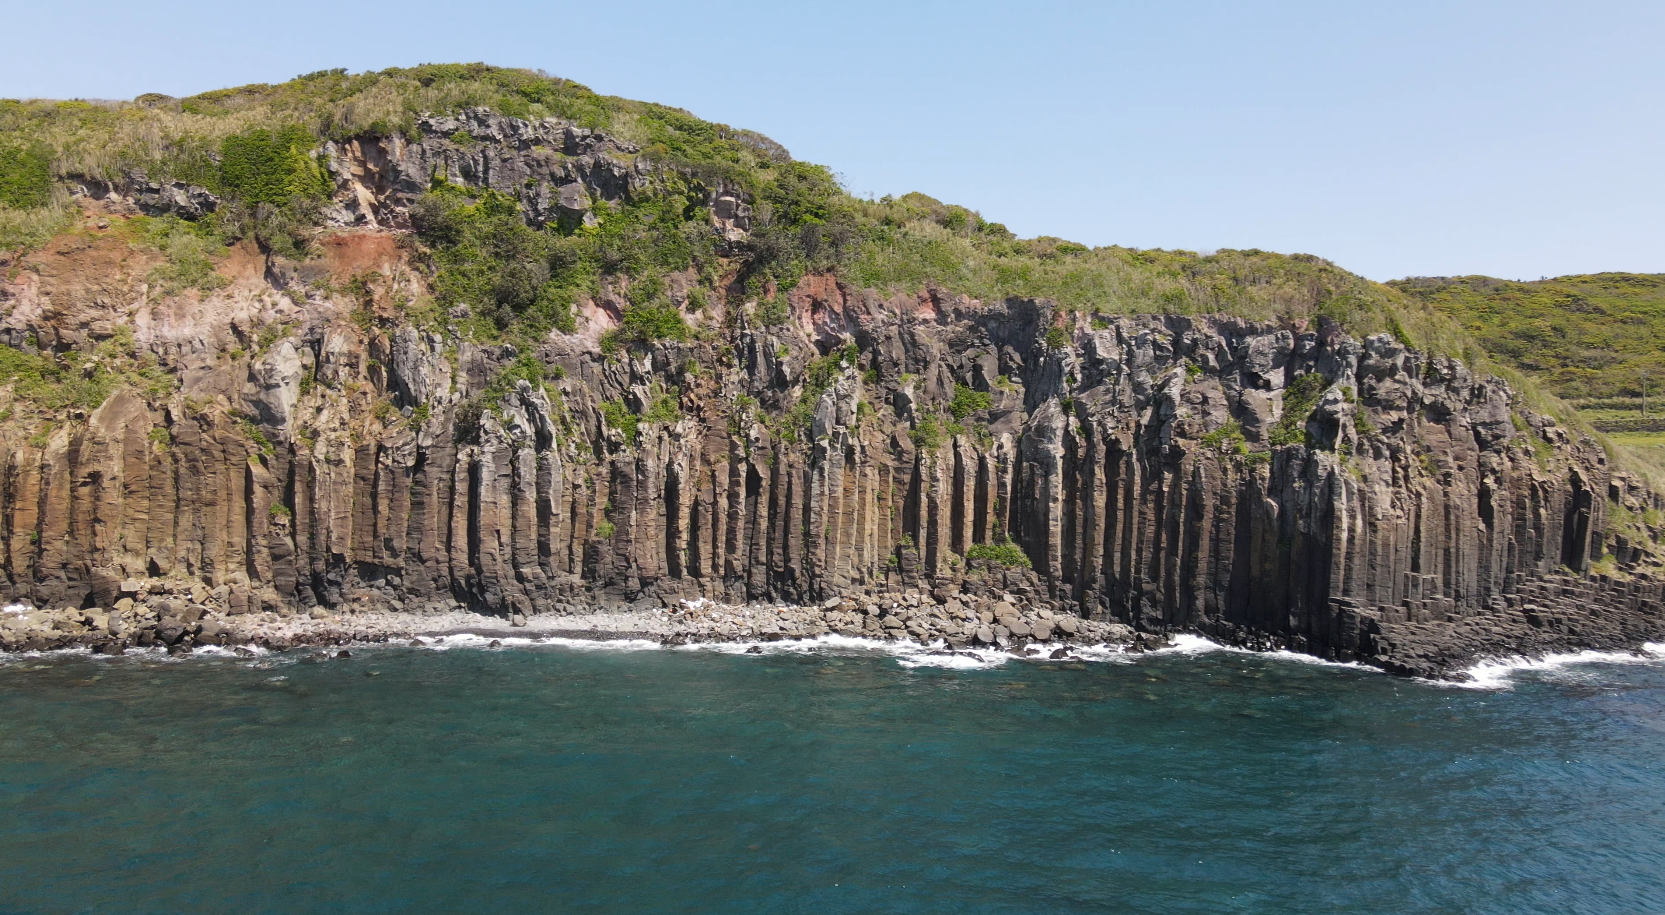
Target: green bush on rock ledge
(1299, 400)
(647, 324)
(1006, 554)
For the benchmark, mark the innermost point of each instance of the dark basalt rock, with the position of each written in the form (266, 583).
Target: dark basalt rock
(1148, 468)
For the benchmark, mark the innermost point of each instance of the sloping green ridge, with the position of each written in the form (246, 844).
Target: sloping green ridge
(1597, 341)
(1584, 338)
(243, 143)
(806, 220)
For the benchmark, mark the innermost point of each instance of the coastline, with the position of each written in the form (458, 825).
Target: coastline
(913, 624)
(182, 626)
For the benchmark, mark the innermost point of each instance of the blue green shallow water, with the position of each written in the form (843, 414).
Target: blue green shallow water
(552, 779)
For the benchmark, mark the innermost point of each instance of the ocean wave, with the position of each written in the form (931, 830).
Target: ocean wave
(909, 654)
(229, 651)
(1192, 644)
(912, 655)
(1500, 673)
(471, 640)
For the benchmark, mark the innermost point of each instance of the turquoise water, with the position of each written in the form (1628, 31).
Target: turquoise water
(553, 779)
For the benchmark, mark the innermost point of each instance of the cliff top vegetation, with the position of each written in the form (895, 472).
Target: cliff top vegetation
(250, 144)
(256, 146)
(1585, 338)
(1598, 341)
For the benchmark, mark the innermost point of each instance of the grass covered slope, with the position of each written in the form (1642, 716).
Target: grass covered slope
(1592, 340)
(652, 255)
(1584, 338)
(253, 146)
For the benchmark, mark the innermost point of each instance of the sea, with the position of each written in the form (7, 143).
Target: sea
(834, 776)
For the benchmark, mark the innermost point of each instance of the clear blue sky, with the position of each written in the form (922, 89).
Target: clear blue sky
(1517, 138)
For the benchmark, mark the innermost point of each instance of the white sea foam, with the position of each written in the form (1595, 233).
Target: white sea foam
(473, 640)
(1104, 654)
(1499, 673)
(228, 651)
(913, 655)
(1189, 644)
(958, 659)
(908, 654)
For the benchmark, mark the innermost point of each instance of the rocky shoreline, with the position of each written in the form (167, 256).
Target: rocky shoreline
(181, 617)
(188, 616)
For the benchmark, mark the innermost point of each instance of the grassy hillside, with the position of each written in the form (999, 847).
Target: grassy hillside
(1586, 338)
(1591, 340)
(251, 145)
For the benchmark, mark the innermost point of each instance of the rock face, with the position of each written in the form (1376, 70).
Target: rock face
(556, 169)
(1270, 485)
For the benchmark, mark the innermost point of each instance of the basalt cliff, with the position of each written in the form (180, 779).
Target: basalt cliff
(298, 434)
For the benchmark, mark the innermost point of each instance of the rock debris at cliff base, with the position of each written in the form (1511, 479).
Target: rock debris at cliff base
(184, 620)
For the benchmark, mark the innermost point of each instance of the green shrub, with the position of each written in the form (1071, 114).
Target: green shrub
(189, 249)
(526, 281)
(525, 367)
(651, 323)
(818, 376)
(1006, 554)
(25, 176)
(253, 434)
(1057, 338)
(1228, 439)
(618, 416)
(604, 529)
(967, 401)
(772, 312)
(1299, 400)
(927, 434)
(51, 385)
(805, 222)
(664, 410)
(272, 166)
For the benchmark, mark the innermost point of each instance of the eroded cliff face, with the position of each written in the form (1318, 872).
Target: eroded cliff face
(1273, 485)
